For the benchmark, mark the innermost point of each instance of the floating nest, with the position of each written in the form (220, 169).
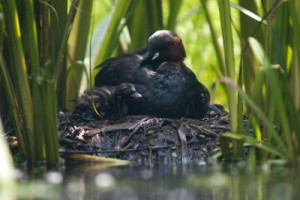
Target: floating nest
(142, 138)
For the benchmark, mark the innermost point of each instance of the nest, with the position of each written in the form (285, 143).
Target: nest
(142, 138)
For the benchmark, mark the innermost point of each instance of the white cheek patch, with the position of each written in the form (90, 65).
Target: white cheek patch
(155, 56)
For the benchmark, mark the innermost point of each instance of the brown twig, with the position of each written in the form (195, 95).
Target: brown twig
(134, 150)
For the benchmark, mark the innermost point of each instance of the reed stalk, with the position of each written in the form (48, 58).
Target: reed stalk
(20, 81)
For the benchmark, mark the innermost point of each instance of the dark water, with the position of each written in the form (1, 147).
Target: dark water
(190, 181)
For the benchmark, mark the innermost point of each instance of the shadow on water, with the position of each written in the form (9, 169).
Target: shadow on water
(160, 181)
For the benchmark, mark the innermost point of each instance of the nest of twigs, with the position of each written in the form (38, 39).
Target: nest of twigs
(143, 137)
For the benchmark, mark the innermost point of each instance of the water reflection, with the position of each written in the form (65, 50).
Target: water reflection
(163, 181)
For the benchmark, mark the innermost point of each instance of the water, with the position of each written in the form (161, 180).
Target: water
(190, 181)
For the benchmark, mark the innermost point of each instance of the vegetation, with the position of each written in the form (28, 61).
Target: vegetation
(267, 78)
(247, 53)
